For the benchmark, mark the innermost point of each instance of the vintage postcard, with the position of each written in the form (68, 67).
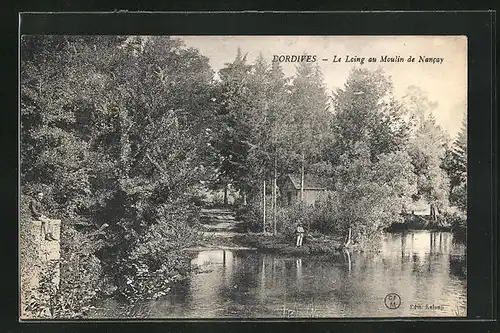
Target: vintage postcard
(271, 177)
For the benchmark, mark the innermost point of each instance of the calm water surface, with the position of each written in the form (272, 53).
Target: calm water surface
(426, 269)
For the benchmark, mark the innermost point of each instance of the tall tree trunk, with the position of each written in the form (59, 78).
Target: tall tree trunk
(225, 195)
(433, 212)
(275, 193)
(244, 195)
(302, 178)
(348, 256)
(348, 241)
(264, 206)
(272, 203)
(125, 148)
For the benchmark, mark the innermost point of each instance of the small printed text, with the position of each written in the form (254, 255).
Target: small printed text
(361, 60)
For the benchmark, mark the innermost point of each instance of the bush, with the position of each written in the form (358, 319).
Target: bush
(82, 279)
(327, 216)
(458, 196)
(371, 193)
(321, 218)
(457, 220)
(157, 258)
(251, 215)
(288, 217)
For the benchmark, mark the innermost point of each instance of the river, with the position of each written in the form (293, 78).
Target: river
(416, 273)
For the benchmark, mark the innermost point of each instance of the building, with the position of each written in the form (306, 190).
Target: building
(314, 189)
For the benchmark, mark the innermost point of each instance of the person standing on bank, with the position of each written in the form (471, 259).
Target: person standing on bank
(300, 234)
(36, 208)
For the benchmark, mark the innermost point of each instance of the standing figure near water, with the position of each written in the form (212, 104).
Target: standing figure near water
(300, 234)
(37, 214)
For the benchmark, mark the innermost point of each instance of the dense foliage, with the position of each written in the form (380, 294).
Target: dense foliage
(113, 129)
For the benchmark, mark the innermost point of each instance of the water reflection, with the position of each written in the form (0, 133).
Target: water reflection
(427, 270)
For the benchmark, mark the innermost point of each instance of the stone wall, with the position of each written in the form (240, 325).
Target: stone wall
(45, 252)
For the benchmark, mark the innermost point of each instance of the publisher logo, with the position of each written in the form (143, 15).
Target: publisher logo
(392, 301)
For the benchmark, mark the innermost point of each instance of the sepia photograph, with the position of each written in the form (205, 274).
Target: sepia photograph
(242, 177)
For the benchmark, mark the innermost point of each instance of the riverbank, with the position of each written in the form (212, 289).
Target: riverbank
(222, 229)
(397, 227)
(455, 222)
(283, 244)
(279, 244)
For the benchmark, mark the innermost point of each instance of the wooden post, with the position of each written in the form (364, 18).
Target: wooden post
(225, 195)
(348, 241)
(302, 178)
(263, 274)
(264, 206)
(348, 255)
(275, 194)
(272, 198)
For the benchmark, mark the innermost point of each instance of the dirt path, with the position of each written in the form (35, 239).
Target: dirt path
(219, 227)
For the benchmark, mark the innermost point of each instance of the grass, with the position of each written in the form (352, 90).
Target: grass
(283, 244)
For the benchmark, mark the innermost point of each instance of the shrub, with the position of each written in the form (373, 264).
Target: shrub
(326, 218)
(458, 196)
(371, 193)
(456, 219)
(251, 215)
(321, 218)
(157, 258)
(82, 280)
(288, 217)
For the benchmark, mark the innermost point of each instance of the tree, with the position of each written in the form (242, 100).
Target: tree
(310, 116)
(278, 119)
(115, 127)
(369, 193)
(235, 125)
(455, 164)
(427, 148)
(253, 141)
(418, 106)
(367, 160)
(366, 111)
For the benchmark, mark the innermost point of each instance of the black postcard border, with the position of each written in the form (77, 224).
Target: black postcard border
(478, 26)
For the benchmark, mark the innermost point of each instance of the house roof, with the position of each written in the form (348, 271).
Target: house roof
(311, 182)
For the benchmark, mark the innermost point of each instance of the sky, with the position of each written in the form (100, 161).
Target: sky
(444, 83)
